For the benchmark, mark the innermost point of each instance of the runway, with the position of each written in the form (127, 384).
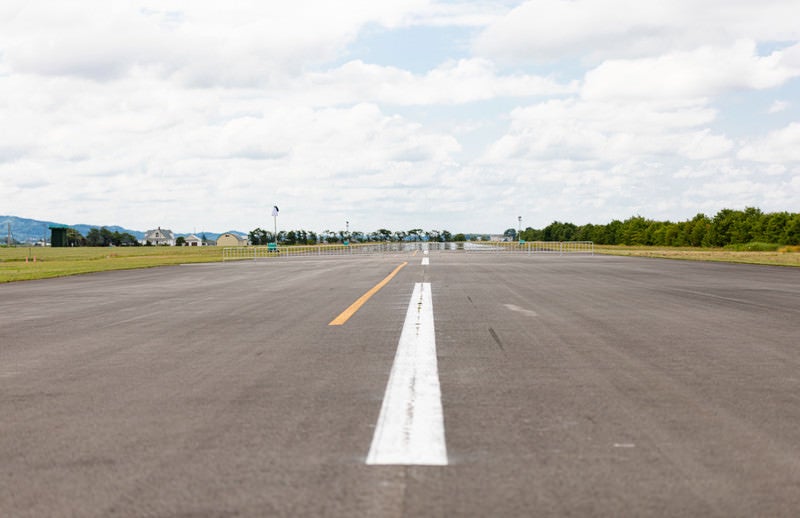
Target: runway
(569, 386)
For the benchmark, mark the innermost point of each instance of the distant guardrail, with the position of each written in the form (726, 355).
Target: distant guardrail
(239, 253)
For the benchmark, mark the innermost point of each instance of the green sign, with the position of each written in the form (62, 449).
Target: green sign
(522, 241)
(272, 247)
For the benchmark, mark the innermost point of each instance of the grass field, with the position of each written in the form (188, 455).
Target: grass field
(22, 263)
(785, 256)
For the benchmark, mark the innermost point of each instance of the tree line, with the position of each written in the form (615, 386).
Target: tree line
(727, 228)
(100, 237)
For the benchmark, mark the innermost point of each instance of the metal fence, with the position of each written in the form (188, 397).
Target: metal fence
(257, 252)
(532, 248)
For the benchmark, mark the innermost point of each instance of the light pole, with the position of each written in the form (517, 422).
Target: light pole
(519, 232)
(347, 232)
(275, 221)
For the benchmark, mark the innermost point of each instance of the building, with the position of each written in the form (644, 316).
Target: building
(159, 236)
(230, 239)
(59, 237)
(193, 240)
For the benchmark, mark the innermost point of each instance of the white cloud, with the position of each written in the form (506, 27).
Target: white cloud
(609, 132)
(778, 106)
(599, 29)
(777, 147)
(182, 155)
(699, 73)
(455, 82)
(202, 43)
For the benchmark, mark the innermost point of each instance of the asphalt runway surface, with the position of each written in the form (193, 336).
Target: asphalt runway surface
(570, 386)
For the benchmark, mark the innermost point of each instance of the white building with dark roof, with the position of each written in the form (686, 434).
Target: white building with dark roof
(193, 240)
(159, 236)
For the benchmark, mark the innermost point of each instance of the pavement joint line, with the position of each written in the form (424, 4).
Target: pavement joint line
(345, 315)
(426, 261)
(410, 428)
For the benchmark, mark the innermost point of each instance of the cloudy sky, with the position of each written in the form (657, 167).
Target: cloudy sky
(458, 115)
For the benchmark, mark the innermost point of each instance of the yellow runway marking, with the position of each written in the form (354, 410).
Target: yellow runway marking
(355, 306)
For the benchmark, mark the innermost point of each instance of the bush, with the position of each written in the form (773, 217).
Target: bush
(753, 246)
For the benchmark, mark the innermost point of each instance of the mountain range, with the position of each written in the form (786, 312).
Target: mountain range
(28, 231)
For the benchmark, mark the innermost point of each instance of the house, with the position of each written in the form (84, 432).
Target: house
(159, 236)
(193, 240)
(231, 239)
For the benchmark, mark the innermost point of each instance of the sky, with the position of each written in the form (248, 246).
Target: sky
(449, 115)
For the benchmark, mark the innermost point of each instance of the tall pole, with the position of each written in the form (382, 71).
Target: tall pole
(519, 232)
(275, 224)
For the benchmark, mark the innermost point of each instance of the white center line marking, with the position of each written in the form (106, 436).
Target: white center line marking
(426, 261)
(410, 429)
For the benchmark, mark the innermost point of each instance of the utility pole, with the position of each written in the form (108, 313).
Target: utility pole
(275, 221)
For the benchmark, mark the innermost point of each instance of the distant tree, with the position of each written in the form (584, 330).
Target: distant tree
(459, 237)
(329, 237)
(127, 239)
(107, 236)
(697, 233)
(510, 233)
(180, 241)
(74, 238)
(415, 234)
(94, 238)
(722, 227)
(260, 237)
(792, 231)
(531, 234)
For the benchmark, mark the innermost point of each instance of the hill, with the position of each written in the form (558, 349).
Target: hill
(30, 231)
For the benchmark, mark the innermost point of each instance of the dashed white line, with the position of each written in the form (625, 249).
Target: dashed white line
(426, 261)
(410, 429)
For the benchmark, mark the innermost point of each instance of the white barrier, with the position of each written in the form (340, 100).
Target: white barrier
(239, 253)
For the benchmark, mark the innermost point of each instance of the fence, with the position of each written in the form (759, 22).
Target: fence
(531, 248)
(256, 252)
